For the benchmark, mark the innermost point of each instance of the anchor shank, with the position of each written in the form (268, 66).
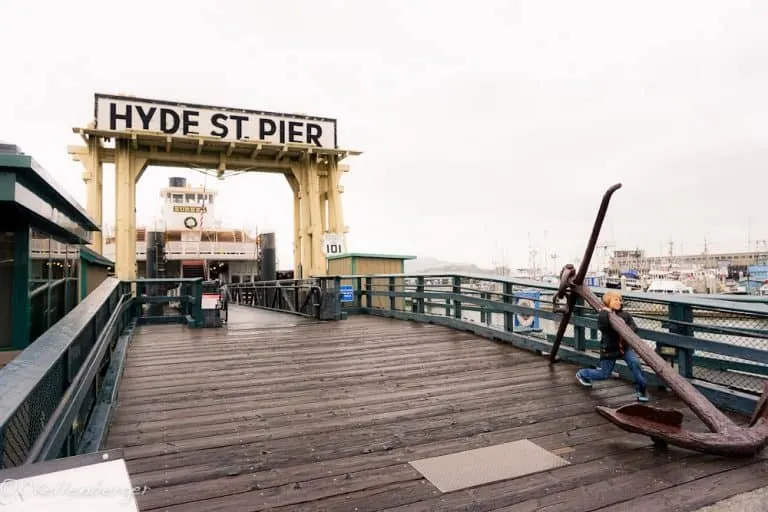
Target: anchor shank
(703, 408)
(589, 251)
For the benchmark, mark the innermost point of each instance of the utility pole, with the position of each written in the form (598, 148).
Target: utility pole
(531, 257)
(706, 253)
(606, 259)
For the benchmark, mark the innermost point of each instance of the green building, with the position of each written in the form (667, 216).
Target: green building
(45, 269)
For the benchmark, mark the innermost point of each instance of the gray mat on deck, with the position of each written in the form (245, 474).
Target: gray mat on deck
(484, 465)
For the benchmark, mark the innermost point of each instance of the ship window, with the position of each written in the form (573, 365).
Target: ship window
(190, 198)
(210, 198)
(178, 198)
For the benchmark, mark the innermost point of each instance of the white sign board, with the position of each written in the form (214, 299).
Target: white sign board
(333, 244)
(121, 113)
(210, 300)
(95, 488)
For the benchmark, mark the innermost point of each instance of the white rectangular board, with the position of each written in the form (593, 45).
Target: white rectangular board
(123, 113)
(94, 488)
(210, 300)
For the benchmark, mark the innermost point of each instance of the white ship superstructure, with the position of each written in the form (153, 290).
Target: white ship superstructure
(187, 239)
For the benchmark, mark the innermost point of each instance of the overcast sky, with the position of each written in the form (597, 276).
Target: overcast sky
(480, 122)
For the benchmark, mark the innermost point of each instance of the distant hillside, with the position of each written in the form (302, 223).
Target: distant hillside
(431, 265)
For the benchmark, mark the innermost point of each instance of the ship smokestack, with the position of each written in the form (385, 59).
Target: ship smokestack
(268, 257)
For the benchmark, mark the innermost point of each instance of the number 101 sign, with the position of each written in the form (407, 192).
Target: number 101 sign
(333, 244)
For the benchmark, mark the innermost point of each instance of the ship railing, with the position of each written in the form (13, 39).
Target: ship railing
(223, 249)
(191, 249)
(720, 344)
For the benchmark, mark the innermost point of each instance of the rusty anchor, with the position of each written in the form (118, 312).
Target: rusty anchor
(661, 425)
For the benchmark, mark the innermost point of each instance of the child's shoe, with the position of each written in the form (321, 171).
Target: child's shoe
(583, 380)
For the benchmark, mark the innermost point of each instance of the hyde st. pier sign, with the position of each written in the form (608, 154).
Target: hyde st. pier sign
(125, 113)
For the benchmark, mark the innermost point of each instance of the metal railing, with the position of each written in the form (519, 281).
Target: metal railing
(57, 396)
(312, 298)
(167, 300)
(720, 343)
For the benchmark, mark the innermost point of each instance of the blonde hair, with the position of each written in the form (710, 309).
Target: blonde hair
(609, 296)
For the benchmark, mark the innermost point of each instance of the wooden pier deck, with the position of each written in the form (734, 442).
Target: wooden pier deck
(280, 413)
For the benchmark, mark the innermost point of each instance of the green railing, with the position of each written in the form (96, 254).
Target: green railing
(720, 343)
(162, 301)
(57, 396)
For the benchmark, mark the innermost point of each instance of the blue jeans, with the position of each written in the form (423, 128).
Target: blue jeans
(604, 370)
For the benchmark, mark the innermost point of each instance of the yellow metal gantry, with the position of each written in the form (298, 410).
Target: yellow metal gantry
(314, 174)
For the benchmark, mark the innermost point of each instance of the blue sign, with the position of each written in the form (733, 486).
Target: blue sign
(527, 321)
(347, 293)
(592, 281)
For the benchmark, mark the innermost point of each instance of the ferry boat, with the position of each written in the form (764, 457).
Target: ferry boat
(187, 239)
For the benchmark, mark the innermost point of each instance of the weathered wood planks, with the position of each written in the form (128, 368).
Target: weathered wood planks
(307, 416)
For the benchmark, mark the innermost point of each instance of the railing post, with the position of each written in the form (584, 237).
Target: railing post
(420, 296)
(359, 292)
(368, 296)
(457, 303)
(392, 303)
(579, 337)
(509, 316)
(684, 356)
(337, 298)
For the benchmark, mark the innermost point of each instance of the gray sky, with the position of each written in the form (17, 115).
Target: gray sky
(480, 122)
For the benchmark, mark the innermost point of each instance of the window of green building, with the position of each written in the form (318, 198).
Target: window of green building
(54, 269)
(7, 249)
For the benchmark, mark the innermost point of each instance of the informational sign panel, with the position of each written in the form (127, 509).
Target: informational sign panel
(124, 113)
(333, 244)
(347, 293)
(527, 321)
(210, 300)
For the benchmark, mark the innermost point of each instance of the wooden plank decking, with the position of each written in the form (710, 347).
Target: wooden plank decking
(280, 413)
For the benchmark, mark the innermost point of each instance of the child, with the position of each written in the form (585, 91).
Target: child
(613, 347)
